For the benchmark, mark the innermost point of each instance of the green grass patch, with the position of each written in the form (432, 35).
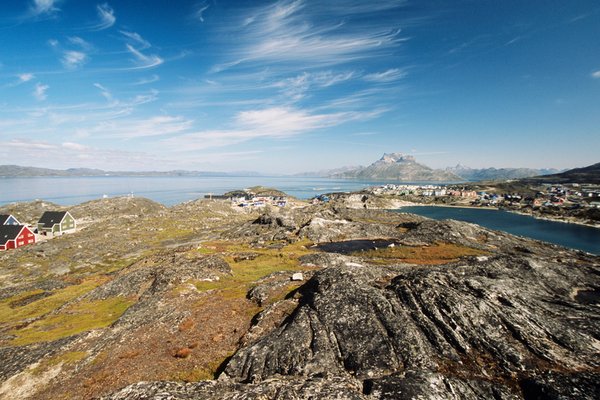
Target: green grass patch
(246, 272)
(77, 318)
(11, 315)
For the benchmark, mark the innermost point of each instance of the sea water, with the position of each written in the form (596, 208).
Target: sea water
(565, 234)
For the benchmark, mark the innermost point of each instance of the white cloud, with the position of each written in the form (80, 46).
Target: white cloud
(145, 81)
(295, 88)
(136, 38)
(74, 146)
(26, 77)
(137, 128)
(40, 92)
(17, 143)
(386, 76)
(53, 42)
(275, 122)
(106, 15)
(70, 154)
(73, 59)
(143, 61)
(104, 92)
(76, 40)
(199, 11)
(22, 78)
(596, 74)
(291, 32)
(144, 98)
(43, 7)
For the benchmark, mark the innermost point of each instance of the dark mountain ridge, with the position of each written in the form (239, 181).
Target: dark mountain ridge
(589, 174)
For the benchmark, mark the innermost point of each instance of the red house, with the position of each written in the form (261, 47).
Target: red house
(13, 236)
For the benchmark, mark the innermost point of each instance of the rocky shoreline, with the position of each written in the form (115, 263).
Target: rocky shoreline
(197, 301)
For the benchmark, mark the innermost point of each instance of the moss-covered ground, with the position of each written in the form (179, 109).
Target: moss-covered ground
(71, 320)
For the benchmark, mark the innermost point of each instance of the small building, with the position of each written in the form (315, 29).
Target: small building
(15, 236)
(56, 223)
(7, 219)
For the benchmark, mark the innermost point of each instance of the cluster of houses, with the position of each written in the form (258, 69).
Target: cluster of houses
(423, 190)
(14, 234)
(572, 195)
(247, 199)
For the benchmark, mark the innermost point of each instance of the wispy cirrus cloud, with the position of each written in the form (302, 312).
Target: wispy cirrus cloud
(137, 39)
(296, 87)
(292, 32)
(145, 81)
(596, 74)
(104, 92)
(40, 92)
(386, 76)
(144, 61)
(144, 127)
(269, 123)
(198, 13)
(135, 44)
(106, 16)
(76, 40)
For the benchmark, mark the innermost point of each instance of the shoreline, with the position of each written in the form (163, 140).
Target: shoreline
(575, 222)
(395, 204)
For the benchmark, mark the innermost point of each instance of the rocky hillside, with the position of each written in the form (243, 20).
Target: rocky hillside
(589, 174)
(399, 167)
(202, 305)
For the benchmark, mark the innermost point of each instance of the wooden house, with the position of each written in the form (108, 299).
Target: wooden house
(7, 219)
(56, 223)
(14, 236)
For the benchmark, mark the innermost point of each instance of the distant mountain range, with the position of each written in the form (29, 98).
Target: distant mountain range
(390, 167)
(18, 171)
(399, 167)
(497, 174)
(404, 168)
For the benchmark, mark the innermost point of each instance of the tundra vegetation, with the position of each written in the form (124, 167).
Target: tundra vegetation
(145, 299)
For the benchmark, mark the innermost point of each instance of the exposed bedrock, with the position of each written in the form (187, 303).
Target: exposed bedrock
(479, 327)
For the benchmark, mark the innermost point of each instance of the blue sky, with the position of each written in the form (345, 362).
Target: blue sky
(291, 86)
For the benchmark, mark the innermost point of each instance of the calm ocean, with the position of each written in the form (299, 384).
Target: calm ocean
(165, 190)
(174, 190)
(569, 235)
